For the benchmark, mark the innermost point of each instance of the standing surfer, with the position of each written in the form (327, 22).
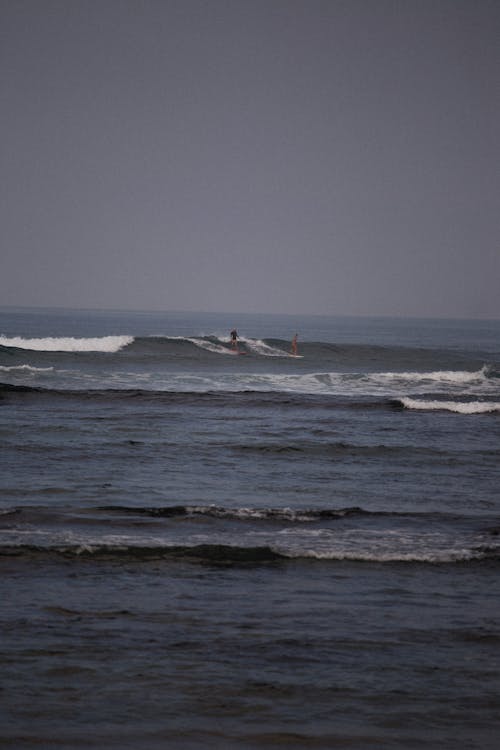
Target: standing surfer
(234, 338)
(294, 345)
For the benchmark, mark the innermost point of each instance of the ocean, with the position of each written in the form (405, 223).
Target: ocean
(208, 548)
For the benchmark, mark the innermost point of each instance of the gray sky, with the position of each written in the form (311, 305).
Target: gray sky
(296, 156)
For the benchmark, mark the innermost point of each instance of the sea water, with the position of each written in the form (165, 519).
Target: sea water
(203, 548)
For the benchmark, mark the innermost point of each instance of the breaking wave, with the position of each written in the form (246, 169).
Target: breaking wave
(109, 344)
(445, 377)
(459, 407)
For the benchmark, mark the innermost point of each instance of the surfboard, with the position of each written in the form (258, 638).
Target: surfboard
(296, 356)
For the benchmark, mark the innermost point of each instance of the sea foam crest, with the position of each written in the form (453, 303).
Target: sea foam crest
(460, 407)
(439, 376)
(209, 346)
(108, 344)
(260, 347)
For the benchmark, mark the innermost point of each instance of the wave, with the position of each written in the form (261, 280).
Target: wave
(280, 395)
(33, 514)
(215, 396)
(391, 361)
(208, 345)
(239, 514)
(459, 407)
(321, 366)
(234, 554)
(110, 344)
(210, 553)
(265, 350)
(248, 534)
(247, 345)
(440, 376)
(25, 369)
(151, 344)
(211, 344)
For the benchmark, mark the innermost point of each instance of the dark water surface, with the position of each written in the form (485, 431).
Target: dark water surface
(201, 549)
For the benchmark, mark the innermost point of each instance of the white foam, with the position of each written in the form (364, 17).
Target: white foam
(25, 368)
(397, 545)
(254, 345)
(108, 344)
(209, 346)
(439, 376)
(260, 347)
(460, 407)
(437, 556)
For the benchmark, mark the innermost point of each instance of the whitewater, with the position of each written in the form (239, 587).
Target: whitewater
(68, 344)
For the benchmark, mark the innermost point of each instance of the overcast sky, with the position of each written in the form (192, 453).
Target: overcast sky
(296, 156)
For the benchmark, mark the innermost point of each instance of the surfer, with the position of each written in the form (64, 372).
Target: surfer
(234, 338)
(294, 345)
